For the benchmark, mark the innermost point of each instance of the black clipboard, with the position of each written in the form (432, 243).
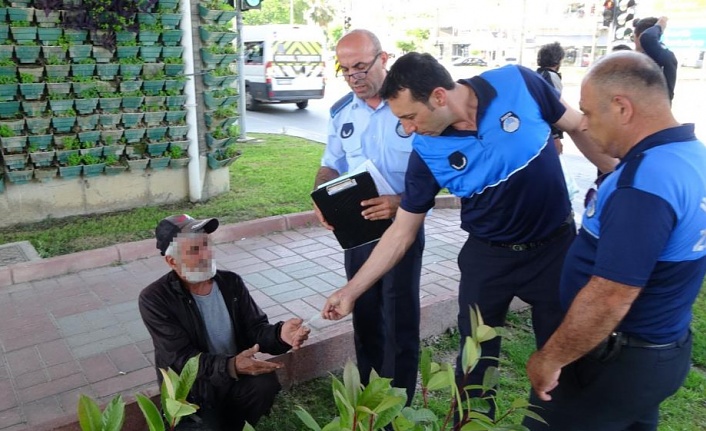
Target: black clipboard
(339, 202)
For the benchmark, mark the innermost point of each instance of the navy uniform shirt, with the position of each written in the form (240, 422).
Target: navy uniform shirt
(357, 132)
(646, 227)
(508, 173)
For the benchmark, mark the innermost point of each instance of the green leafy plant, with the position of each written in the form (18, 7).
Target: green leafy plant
(53, 60)
(158, 75)
(8, 80)
(55, 79)
(19, 24)
(175, 152)
(378, 405)
(219, 133)
(6, 131)
(173, 60)
(218, 5)
(87, 60)
(112, 160)
(26, 78)
(73, 160)
(90, 159)
(131, 60)
(70, 143)
(230, 151)
(175, 388)
(221, 71)
(7, 62)
(90, 93)
(225, 111)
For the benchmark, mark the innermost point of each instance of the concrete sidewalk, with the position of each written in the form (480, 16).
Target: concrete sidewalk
(70, 325)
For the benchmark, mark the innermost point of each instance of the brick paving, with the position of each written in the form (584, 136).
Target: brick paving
(81, 332)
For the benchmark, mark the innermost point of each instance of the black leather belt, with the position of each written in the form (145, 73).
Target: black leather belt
(568, 223)
(632, 341)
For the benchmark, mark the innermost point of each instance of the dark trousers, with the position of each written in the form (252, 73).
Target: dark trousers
(492, 276)
(619, 394)
(386, 318)
(247, 399)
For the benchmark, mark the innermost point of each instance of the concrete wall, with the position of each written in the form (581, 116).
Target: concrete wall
(57, 198)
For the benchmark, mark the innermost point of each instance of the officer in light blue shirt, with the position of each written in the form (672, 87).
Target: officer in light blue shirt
(362, 127)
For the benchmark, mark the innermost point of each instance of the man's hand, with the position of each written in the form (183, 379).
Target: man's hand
(662, 22)
(321, 218)
(246, 364)
(559, 146)
(338, 305)
(293, 333)
(543, 375)
(381, 208)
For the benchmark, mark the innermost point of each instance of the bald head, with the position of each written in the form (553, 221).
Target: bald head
(360, 38)
(630, 74)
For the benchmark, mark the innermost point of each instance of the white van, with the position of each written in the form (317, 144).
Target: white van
(283, 64)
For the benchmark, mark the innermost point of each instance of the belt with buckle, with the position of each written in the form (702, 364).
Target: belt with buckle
(536, 244)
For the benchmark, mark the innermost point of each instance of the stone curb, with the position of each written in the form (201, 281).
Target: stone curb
(127, 252)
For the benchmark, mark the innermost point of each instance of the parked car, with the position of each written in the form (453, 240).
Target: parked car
(470, 61)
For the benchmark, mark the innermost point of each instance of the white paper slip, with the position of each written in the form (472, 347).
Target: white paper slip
(384, 188)
(313, 318)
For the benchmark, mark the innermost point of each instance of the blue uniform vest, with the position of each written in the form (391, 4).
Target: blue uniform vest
(510, 135)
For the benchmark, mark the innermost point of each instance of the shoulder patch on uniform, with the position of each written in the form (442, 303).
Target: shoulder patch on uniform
(341, 103)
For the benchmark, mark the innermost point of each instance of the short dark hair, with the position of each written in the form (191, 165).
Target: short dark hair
(420, 73)
(621, 47)
(550, 55)
(643, 24)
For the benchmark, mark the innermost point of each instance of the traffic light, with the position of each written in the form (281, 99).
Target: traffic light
(608, 12)
(347, 23)
(250, 4)
(624, 14)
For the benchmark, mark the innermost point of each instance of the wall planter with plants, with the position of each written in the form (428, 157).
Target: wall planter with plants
(20, 176)
(159, 162)
(34, 108)
(28, 53)
(41, 159)
(8, 88)
(114, 165)
(92, 165)
(46, 174)
(223, 157)
(87, 123)
(38, 125)
(179, 158)
(41, 142)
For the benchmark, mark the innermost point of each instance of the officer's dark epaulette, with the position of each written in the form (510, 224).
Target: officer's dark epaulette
(341, 103)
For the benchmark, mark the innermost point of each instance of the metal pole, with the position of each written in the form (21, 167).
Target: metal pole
(241, 72)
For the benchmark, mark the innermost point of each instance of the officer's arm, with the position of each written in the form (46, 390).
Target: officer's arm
(570, 122)
(595, 312)
(593, 315)
(395, 242)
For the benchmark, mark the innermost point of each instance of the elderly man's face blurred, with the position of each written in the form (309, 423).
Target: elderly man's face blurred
(193, 257)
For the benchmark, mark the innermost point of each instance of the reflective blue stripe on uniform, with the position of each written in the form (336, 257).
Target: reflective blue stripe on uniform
(507, 140)
(684, 197)
(340, 104)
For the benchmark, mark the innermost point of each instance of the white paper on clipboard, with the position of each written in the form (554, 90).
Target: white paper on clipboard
(381, 183)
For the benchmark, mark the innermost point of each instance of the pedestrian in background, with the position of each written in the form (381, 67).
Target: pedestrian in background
(648, 32)
(549, 59)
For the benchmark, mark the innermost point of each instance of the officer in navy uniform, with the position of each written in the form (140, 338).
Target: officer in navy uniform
(631, 277)
(487, 140)
(362, 127)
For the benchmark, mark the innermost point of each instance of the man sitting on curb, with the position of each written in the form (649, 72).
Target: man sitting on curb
(196, 309)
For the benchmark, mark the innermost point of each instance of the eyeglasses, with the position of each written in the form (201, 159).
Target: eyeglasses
(591, 194)
(358, 75)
